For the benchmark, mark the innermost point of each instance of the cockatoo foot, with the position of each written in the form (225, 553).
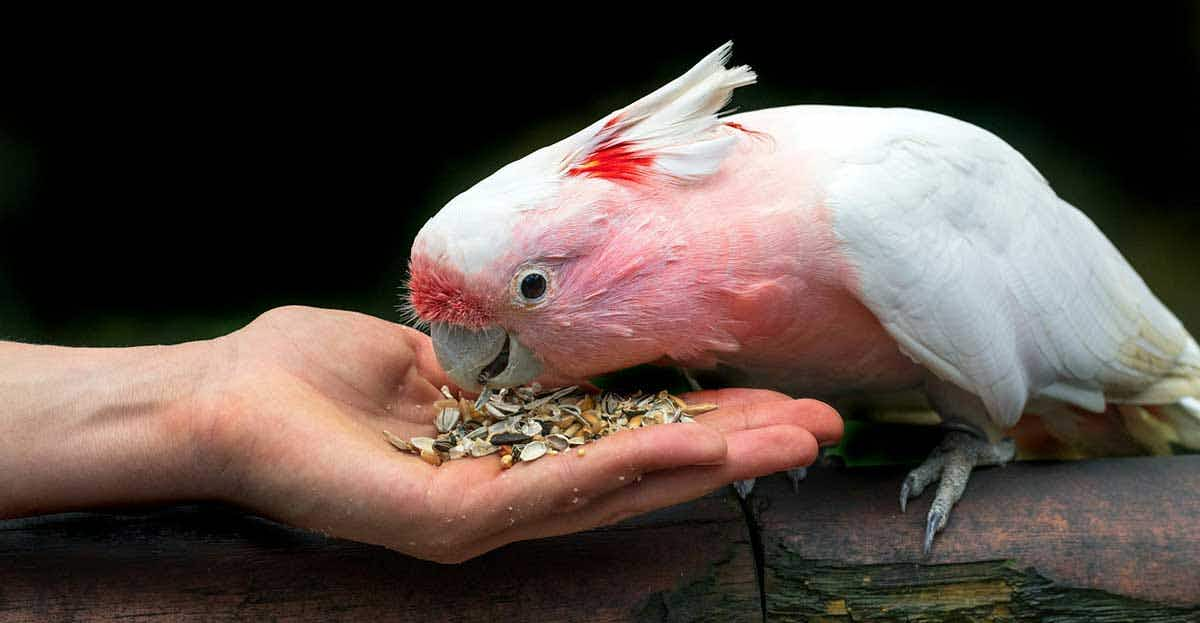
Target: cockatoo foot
(743, 487)
(951, 463)
(796, 475)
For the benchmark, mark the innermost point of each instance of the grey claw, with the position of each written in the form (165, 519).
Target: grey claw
(796, 475)
(743, 487)
(932, 525)
(904, 488)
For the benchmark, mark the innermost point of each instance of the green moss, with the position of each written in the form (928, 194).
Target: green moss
(820, 590)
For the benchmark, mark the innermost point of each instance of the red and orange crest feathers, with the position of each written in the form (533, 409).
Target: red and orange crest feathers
(617, 161)
(673, 134)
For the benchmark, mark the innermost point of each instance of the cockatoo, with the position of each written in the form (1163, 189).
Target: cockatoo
(817, 250)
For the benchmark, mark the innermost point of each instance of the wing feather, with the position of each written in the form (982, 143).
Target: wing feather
(990, 280)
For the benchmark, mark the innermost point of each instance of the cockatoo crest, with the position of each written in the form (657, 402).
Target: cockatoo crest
(672, 133)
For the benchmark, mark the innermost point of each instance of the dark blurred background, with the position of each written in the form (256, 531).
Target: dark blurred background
(169, 177)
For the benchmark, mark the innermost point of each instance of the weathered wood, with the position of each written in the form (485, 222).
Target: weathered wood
(207, 563)
(1101, 540)
(1108, 540)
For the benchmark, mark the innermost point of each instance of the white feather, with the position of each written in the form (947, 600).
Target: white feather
(677, 125)
(985, 276)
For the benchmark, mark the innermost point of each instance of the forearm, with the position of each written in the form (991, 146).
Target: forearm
(87, 427)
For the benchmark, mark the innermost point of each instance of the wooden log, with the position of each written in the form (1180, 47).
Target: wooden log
(1099, 540)
(208, 563)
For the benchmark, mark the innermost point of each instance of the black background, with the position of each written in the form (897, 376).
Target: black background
(168, 177)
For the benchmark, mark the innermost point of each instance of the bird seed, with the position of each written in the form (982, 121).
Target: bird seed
(524, 424)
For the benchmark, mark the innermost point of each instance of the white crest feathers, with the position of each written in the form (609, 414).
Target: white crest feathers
(673, 132)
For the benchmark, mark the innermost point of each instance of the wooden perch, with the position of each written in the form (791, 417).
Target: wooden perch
(1114, 539)
(1024, 542)
(210, 563)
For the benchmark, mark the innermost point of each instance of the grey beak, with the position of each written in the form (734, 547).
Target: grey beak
(474, 358)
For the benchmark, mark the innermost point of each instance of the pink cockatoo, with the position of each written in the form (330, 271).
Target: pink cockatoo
(818, 250)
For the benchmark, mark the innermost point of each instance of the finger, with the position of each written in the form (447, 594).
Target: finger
(613, 461)
(426, 360)
(746, 409)
(733, 396)
(497, 499)
(750, 454)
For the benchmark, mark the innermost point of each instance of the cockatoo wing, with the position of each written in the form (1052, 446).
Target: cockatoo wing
(987, 278)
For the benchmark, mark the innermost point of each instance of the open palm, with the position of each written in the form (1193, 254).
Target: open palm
(297, 404)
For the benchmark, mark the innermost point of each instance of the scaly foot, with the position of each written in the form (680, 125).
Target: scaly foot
(951, 462)
(743, 487)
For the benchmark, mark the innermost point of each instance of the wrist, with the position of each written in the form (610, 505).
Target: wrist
(87, 427)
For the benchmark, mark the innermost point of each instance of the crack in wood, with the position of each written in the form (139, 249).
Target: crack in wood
(756, 548)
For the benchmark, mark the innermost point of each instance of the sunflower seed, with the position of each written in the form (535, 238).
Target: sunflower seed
(593, 421)
(506, 408)
(480, 447)
(398, 442)
(508, 439)
(483, 398)
(524, 423)
(552, 396)
(533, 451)
(531, 427)
(447, 419)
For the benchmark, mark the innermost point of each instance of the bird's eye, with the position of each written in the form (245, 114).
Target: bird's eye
(533, 286)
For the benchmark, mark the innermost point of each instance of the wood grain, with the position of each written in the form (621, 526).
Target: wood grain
(207, 563)
(1129, 527)
(1101, 540)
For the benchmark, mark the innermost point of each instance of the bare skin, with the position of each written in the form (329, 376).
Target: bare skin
(284, 418)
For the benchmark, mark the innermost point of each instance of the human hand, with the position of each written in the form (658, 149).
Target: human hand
(296, 419)
(285, 417)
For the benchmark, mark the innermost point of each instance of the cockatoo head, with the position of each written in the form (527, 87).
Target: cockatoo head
(554, 267)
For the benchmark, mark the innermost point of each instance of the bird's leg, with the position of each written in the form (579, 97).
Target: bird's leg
(951, 463)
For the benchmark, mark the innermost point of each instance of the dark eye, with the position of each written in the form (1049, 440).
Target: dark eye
(533, 286)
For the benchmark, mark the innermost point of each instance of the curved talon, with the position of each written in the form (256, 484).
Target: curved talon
(933, 524)
(796, 475)
(951, 464)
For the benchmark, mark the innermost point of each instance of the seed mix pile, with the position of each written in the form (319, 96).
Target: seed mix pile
(526, 423)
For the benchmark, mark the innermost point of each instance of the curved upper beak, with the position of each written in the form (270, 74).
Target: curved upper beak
(474, 358)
